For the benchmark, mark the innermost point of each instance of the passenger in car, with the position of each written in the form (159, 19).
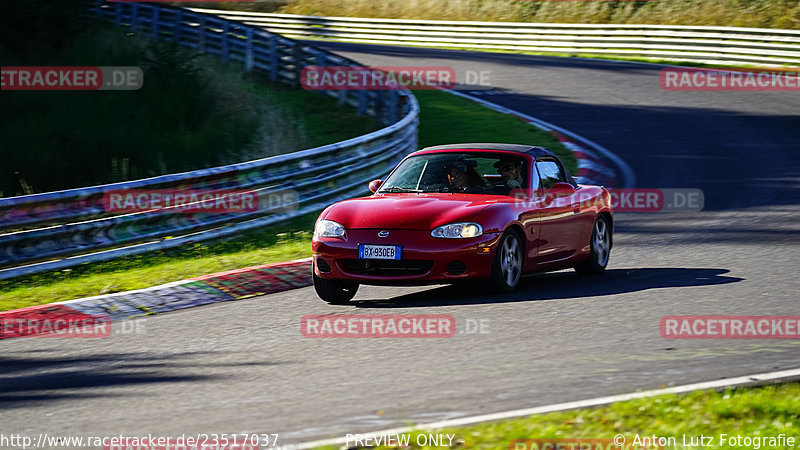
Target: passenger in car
(510, 170)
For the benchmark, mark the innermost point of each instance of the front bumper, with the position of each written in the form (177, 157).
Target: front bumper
(425, 259)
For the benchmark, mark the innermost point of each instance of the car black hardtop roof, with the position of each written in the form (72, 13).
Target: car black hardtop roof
(532, 150)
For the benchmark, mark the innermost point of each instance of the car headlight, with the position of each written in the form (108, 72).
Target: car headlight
(458, 230)
(328, 228)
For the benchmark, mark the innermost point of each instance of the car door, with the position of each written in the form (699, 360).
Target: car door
(559, 225)
(525, 203)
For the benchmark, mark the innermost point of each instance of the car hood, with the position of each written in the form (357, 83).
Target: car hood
(407, 211)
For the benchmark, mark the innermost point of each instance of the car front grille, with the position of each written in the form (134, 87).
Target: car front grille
(385, 267)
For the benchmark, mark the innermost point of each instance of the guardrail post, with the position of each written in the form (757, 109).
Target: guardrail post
(415, 135)
(201, 43)
(404, 106)
(380, 106)
(248, 54)
(274, 57)
(178, 27)
(362, 103)
(392, 106)
(118, 14)
(98, 8)
(225, 41)
(298, 61)
(134, 16)
(156, 19)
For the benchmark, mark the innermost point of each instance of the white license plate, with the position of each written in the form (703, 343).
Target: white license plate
(366, 251)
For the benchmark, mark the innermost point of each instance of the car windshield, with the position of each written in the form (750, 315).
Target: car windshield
(479, 173)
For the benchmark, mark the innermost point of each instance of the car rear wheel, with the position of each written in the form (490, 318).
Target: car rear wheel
(335, 292)
(507, 266)
(599, 248)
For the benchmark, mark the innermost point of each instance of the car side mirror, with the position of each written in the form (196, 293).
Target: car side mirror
(374, 185)
(562, 189)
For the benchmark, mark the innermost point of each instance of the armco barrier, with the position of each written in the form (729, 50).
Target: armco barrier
(704, 44)
(62, 229)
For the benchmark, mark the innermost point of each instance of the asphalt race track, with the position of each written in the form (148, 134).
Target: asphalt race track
(245, 367)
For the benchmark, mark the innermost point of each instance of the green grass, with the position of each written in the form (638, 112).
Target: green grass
(445, 118)
(279, 243)
(760, 411)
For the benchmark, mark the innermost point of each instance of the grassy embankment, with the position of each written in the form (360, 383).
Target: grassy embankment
(755, 412)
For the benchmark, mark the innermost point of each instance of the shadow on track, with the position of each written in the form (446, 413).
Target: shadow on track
(42, 378)
(560, 285)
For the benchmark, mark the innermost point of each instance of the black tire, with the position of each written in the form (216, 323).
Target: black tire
(507, 265)
(335, 292)
(599, 248)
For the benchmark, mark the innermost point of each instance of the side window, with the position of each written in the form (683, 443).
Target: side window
(550, 174)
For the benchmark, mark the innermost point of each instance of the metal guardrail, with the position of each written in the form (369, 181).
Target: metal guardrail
(704, 44)
(62, 229)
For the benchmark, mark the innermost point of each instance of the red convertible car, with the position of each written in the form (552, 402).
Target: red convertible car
(462, 213)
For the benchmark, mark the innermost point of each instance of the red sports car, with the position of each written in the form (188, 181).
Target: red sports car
(460, 213)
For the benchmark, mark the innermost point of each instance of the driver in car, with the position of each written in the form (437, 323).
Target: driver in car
(463, 176)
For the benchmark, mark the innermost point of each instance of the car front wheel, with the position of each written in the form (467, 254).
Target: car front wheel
(599, 248)
(507, 267)
(335, 292)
